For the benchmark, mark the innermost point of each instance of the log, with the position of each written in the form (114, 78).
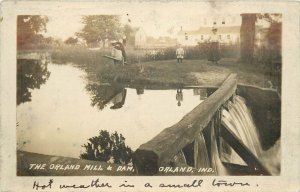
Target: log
(149, 156)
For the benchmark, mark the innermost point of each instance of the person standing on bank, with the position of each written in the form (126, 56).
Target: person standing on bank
(117, 48)
(214, 47)
(116, 53)
(179, 54)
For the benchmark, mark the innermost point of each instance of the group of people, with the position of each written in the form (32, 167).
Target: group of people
(213, 51)
(119, 53)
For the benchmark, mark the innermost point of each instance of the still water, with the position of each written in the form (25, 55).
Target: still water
(63, 112)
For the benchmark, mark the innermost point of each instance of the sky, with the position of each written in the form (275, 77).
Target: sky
(56, 27)
(154, 19)
(154, 24)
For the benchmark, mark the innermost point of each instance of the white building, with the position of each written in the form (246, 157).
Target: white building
(221, 21)
(228, 35)
(228, 30)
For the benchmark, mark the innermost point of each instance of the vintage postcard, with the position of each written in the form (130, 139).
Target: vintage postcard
(149, 96)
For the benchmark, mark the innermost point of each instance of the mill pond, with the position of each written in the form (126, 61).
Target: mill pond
(60, 107)
(67, 110)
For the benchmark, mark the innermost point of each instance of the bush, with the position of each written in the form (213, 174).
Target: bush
(108, 148)
(82, 55)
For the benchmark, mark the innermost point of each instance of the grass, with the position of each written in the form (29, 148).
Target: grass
(164, 70)
(190, 72)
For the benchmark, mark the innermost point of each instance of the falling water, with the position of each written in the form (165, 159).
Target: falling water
(238, 119)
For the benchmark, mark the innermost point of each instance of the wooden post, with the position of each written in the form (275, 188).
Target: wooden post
(200, 152)
(242, 150)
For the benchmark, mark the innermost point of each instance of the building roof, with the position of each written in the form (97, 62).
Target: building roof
(208, 30)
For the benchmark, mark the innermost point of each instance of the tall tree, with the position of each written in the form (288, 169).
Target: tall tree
(275, 30)
(100, 27)
(129, 34)
(29, 28)
(247, 37)
(248, 34)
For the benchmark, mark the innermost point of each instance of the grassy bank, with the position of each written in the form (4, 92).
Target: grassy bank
(190, 72)
(162, 69)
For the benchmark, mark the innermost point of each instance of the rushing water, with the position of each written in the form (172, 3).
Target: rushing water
(60, 114)
(239, 120)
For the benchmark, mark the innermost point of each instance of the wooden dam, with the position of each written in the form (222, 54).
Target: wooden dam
(183, 144)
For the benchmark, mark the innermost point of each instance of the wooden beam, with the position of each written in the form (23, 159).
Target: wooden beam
(200, 152)
(149, 156)
(242, 150)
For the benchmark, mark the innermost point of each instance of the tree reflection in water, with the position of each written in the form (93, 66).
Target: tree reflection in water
(31, 74)
(107, 147)
(101, 95)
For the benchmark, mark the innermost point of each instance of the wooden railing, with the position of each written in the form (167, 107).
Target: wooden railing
(169, 147)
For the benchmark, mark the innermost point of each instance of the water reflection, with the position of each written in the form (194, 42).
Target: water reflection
(31, 74)
(67, 96)
(179, 97)
(202, 92)
(103, 94)
(140, 90)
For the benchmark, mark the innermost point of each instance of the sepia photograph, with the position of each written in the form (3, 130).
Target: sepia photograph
(201, 97)
(149, 96)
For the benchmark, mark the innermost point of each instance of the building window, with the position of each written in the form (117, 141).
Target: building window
(228, 36)
(215, 22)
(223, 21)
(202, 37)
(186, 36)
(220, 36)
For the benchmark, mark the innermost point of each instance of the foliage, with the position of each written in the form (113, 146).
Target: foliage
(275, 29)
(31, 74)
(29, 28)
(107, 147)
(71, 41)
(101, 95)
(81, 55)
(97, 28)
(128, 30)
(271, 17)
(191, 52)
(129, 33)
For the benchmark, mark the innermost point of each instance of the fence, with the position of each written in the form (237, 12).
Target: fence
(184, 143)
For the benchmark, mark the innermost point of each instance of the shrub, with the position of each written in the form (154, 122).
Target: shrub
(108, 148)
